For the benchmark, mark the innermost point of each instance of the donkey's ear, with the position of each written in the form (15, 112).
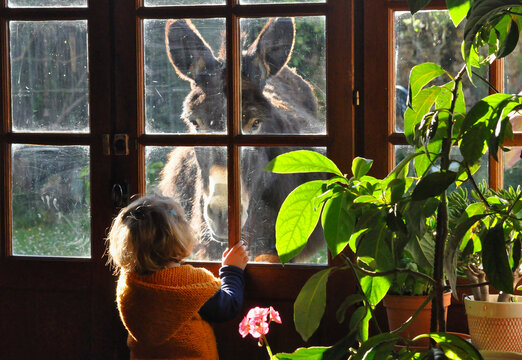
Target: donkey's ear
(190, 55)
(272, 49)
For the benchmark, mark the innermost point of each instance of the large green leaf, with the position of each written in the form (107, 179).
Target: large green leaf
(495, 260)
(454, 244)
(503, 127)
(421, 75)
(422, 248)
(421, 104)
(458, 10)
(453, 346)
(375, 287)
(444, 101)
(338, 223)
(425, 161)
(310, 304)
(375, 244)
(516, 254)
(482, 121)
(297, 219)
(416, 5)
(433, 184)
(482, 16)
(395, 190)
(311, 353)
(359, 322)
(360, 167)
(302, 161)
(511, 40)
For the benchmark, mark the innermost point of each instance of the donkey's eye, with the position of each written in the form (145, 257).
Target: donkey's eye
(256, 124)
(195, 123)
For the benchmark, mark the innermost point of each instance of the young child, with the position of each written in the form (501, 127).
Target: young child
(164, 304)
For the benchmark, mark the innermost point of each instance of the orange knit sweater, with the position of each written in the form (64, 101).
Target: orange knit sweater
(160, 311)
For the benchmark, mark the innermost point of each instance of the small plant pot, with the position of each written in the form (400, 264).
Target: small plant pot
(400, 308)
(495, 326)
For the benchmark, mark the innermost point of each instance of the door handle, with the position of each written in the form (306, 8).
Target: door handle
(120, 194)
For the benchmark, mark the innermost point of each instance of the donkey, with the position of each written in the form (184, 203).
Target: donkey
(275, 100)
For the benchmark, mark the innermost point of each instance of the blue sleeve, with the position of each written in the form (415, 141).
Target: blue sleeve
(227, 301)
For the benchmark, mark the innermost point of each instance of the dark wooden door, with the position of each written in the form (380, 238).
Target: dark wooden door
(78, 130)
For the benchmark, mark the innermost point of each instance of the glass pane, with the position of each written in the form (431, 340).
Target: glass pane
(262, 194)
(49, 76)
(196, 177)
(193, 56)
(46, 3)
(183, 2)
(276, 99)
(429, 36)
(513, 70)
(51, 201)
(513, 80)
(513, 167)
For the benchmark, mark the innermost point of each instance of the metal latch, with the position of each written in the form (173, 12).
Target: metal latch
(119, 145)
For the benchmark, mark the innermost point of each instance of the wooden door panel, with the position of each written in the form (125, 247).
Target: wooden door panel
(50, 324)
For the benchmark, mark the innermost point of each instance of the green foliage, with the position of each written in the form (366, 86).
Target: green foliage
(496, 263)
(311, 301)
(395, 225)
(302, 161)
(298, 220)
(491, 23)
(313, 353)
(458, 10)
(453, 346)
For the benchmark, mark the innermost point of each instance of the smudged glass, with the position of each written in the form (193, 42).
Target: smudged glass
(49, 76)
(51, 201)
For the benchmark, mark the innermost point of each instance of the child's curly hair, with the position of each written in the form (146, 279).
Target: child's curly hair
(148, 234)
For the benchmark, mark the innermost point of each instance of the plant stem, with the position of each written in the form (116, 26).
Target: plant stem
(353, 267)
(391, 272)
(486, 81)
(438, 323)
(267, 347)
(475, 186)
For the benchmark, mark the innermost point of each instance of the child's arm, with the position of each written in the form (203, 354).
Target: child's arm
(228, 301)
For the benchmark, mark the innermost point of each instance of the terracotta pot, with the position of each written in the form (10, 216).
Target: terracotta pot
(400, 308)
(495, 326)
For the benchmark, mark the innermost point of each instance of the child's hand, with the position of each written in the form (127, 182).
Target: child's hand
(237, 255)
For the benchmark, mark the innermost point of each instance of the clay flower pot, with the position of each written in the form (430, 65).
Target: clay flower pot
(400, 308)
(495, 326)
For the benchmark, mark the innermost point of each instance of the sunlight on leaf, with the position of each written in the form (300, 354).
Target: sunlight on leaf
(458, 10)
(311, 353)
(297, 219)
(302, 161)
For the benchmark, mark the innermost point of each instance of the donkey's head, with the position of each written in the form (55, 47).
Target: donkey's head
(205, 107)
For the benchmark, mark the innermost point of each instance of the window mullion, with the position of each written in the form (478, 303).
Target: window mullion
(496, 77)
(233, 126)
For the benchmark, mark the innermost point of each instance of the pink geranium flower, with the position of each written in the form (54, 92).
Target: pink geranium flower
(257, 321)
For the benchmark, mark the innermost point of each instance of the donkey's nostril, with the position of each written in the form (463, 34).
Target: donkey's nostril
(216, 212)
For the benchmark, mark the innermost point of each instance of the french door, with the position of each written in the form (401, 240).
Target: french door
(106, 100)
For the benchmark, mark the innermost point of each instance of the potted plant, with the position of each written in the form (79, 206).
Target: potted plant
(494, 320)
(385, 221)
